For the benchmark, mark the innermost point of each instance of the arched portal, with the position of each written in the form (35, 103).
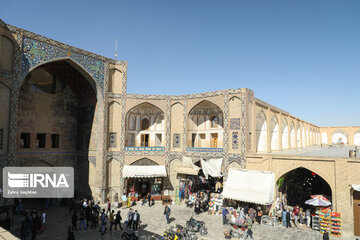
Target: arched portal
(57, 105)
(205, 126)
(145, 126)
(261, 132)
(300, 184)
(292, 136)
(298, 136)
(339, 136)
(274, 133)
(284, 135)
(357, 137)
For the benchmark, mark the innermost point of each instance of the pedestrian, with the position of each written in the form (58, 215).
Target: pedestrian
(43, 220)
(284, 218)
(249, 223)
(116, 200)
(288, 219)
(84, 204)
(34, 229)
(224, 214)
(167, 213)
(118, 220)
(71, 234)
(74, 219)
(82, 220)
(103, 223)
(326, 235)
(252, 214)
(108, 206)
(88, 214)
(112, 220)
(130, 218)
(259, 215)
(308, 217)
(24, 230)
(296, 212)
(149, 199)
(136, 220)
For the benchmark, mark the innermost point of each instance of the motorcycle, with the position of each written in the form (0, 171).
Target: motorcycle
(130, 235)
(196, 226)
(179, 233)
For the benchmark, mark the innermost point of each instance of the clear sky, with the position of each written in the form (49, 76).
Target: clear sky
(300, 56)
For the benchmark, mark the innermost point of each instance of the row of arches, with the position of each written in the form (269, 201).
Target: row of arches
(340, 136)
(287, 135)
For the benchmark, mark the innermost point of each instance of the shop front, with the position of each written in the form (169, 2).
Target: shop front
(143, 180)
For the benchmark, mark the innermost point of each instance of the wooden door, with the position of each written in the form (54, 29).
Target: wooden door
(357, 218)
(356, 213)
(144, 140)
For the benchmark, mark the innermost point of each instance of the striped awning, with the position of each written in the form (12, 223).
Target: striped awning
(131, 171)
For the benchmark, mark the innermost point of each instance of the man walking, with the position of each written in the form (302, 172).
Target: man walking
(149, 199)
(167, 213)
(112, 220)
(130, 218)
(288, 219)
(136, 220)
(224, 214)
(118, 220)
(284, 218)
(296, 215)
(249, 223)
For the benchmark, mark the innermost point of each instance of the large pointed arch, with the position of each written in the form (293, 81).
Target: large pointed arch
(339, 136)
(261, 132)
(274, 133)
(357, 138)
(292, 136)
(284, 134)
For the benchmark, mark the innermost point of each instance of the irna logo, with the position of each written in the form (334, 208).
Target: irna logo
(18, 180)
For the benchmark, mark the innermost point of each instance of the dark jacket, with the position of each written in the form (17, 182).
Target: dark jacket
(118, 218)
(138, 217)
(326, 236)
(287, 216)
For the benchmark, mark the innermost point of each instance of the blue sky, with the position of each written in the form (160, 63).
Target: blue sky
(300, 56)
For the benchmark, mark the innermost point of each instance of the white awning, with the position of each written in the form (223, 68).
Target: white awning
(356, 187)
(211, 167)
(250, 186)
(188, 167)
(130, 171)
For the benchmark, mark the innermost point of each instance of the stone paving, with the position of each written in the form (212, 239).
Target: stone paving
(153, 222)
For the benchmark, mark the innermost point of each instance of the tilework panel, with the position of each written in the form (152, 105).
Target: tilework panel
(176, 140)
(112, 139)
(37, 52)
(235, 140)
(235, 124)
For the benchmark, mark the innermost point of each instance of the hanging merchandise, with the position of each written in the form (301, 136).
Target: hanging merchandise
(324, 220)
(215, 203)
(335, 229)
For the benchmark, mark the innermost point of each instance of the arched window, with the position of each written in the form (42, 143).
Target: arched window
(145, 124)
(7, 54)
(214, 122)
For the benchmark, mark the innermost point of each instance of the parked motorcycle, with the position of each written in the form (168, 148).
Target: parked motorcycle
(130, 235)
(196, 226)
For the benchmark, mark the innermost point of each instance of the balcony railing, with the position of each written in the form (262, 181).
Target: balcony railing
(199, 149)
(144, 148)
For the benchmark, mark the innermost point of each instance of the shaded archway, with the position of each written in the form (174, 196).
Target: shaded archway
(274, 133)
(357, 137)
(339, 136)
(205, 126)
(300, 183)
(261, 132)
(58, 95)
(292, 136)
(284, 134)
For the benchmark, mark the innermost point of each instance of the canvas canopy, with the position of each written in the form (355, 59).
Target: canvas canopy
(211, 167)
(144, 171)
(356, 187)
(188, 167)
(250, 186)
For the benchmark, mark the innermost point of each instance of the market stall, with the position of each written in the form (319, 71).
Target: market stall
(142, 180)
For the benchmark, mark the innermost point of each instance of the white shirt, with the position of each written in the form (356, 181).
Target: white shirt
(43, 217)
